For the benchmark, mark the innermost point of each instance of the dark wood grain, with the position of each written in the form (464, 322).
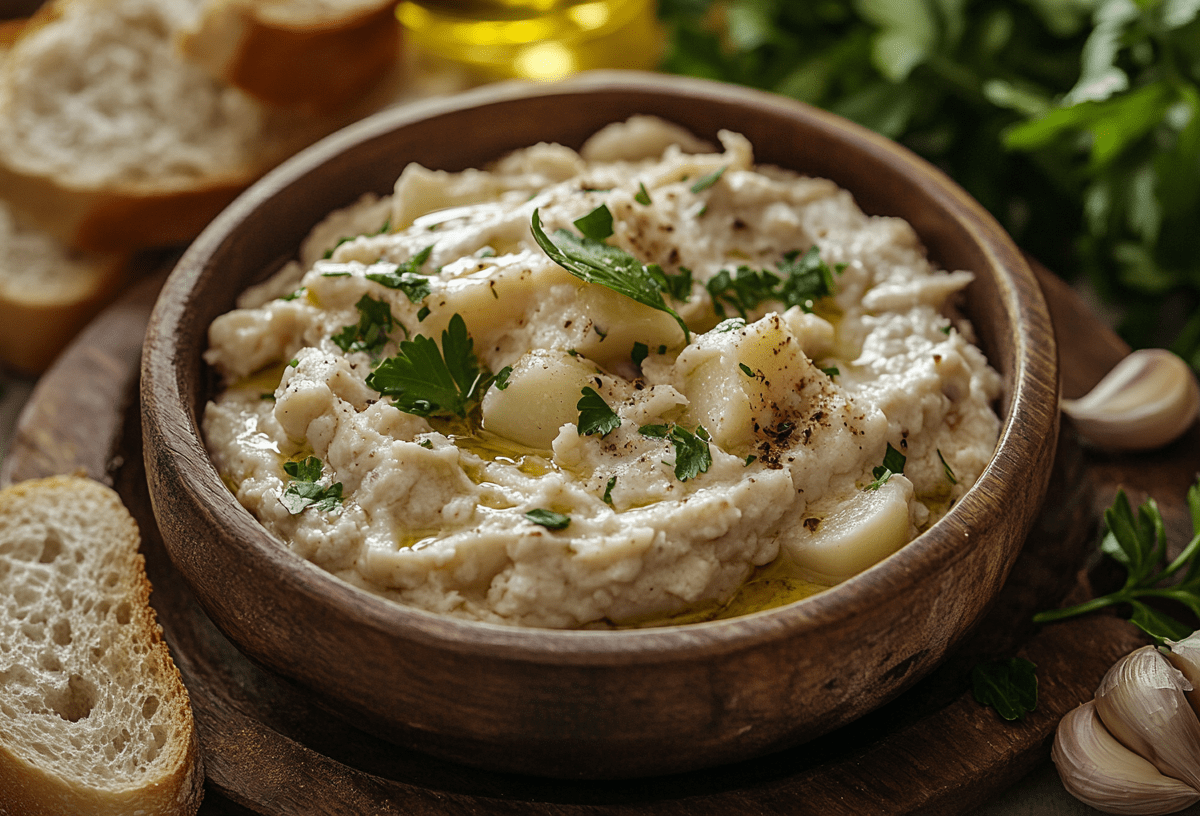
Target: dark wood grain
(269, 749)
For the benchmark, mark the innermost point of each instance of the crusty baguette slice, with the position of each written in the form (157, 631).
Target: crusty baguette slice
(94, 718)
(47, 292)
(314, 53)
(110, 140)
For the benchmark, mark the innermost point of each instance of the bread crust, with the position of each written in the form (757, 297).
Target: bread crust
(30, 788)
(315, 64)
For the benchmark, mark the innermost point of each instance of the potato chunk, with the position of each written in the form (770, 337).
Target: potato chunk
(542, 392)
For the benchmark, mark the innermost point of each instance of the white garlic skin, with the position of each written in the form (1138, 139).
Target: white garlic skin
(1099, 771)
(1150, 398)
(1142, 703)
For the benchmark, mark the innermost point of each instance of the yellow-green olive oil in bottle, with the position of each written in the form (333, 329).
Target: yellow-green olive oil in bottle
(535, 39)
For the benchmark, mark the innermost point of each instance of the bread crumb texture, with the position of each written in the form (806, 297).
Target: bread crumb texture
(93, 715)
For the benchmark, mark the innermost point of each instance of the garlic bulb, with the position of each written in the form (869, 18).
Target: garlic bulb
(1147, 400)
(1099, 771)
(1135, 748)
(1141, 702)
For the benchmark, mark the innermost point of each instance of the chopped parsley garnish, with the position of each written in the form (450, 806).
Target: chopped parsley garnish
(949, 473)
(801, 279)
(692, 455)
(422, 313)
(427, 444)
(595, 416)
(732, 324)
(945, 330)
(893, 462)
(608, 488)
(501, 378)
(427, 381)
(406, 277)
(267, 395)
(639, 354)
(678, 286)
(371, 332)
(1009, 686)
(338, 274)
(832, 371)
(708, 181)
(293, 362)
(294, 295)
(597, 225)
(611, 267)
(750, 460)
(747, 370)
(305, 490)
(548, 519)
(642, 197)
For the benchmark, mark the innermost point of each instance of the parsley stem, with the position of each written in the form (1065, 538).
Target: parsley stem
(1051, 615)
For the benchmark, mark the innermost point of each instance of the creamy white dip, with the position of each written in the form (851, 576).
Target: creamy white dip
(799, 405)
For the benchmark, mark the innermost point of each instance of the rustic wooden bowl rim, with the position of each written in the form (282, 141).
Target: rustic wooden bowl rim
(1023, 432)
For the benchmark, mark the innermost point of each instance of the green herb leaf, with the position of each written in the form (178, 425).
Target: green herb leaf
(608, 489)
(371, 332)
(304, 490)
(501, 378)
(801, 279)
(945, 467)
(595, 416)
(639, 354)
(692, 454)
(548, 519)
(708, 181)
(426, 381)
(642, 197)
(1138, 543)
(893, 462)
(610, 267)
(831, 371)
(1009, 686)
(747, 370)
(406, 277)
(597, 225)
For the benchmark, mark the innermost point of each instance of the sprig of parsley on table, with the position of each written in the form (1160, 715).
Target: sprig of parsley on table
(305, 489)
(1138, 543)
(427, 381)
(596, 262)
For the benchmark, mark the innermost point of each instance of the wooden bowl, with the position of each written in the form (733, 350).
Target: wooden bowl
(596, 703)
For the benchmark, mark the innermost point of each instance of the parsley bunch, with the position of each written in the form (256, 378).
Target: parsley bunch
(1138, 543)
(1077, 124)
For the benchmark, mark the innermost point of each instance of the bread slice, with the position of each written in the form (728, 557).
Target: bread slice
(47, 292)
(313, 53)
(111, 141)
(94, 718)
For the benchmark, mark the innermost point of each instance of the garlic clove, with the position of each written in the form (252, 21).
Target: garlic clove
(1099, 771)
(1185, 656)
(1141, 702)
(1147, 400)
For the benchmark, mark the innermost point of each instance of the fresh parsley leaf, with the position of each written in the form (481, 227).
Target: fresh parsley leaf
(426, 381)
(595, 416)
(406, 277)
(597, 225)
(750, 460)
(305, 491)
(501, 378)
(338, 274)
(945, 467)
(608, 266)
(422, 313)
(797, 281)
(292, 363)
(692, 454)
(642, 197)
(427, 444)
(639, 354)
(1009, 686)
(747, 370)
(294, 295)
(371, 332)
(708, 181)
(678, 285)
(608, 489)
(1138, 542)
(804, 278)
(267, 395)
(732, 324)
(548, 519)
(831, 371)
(893, 462)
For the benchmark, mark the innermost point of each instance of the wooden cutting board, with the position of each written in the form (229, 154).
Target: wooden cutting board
(270, 749)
